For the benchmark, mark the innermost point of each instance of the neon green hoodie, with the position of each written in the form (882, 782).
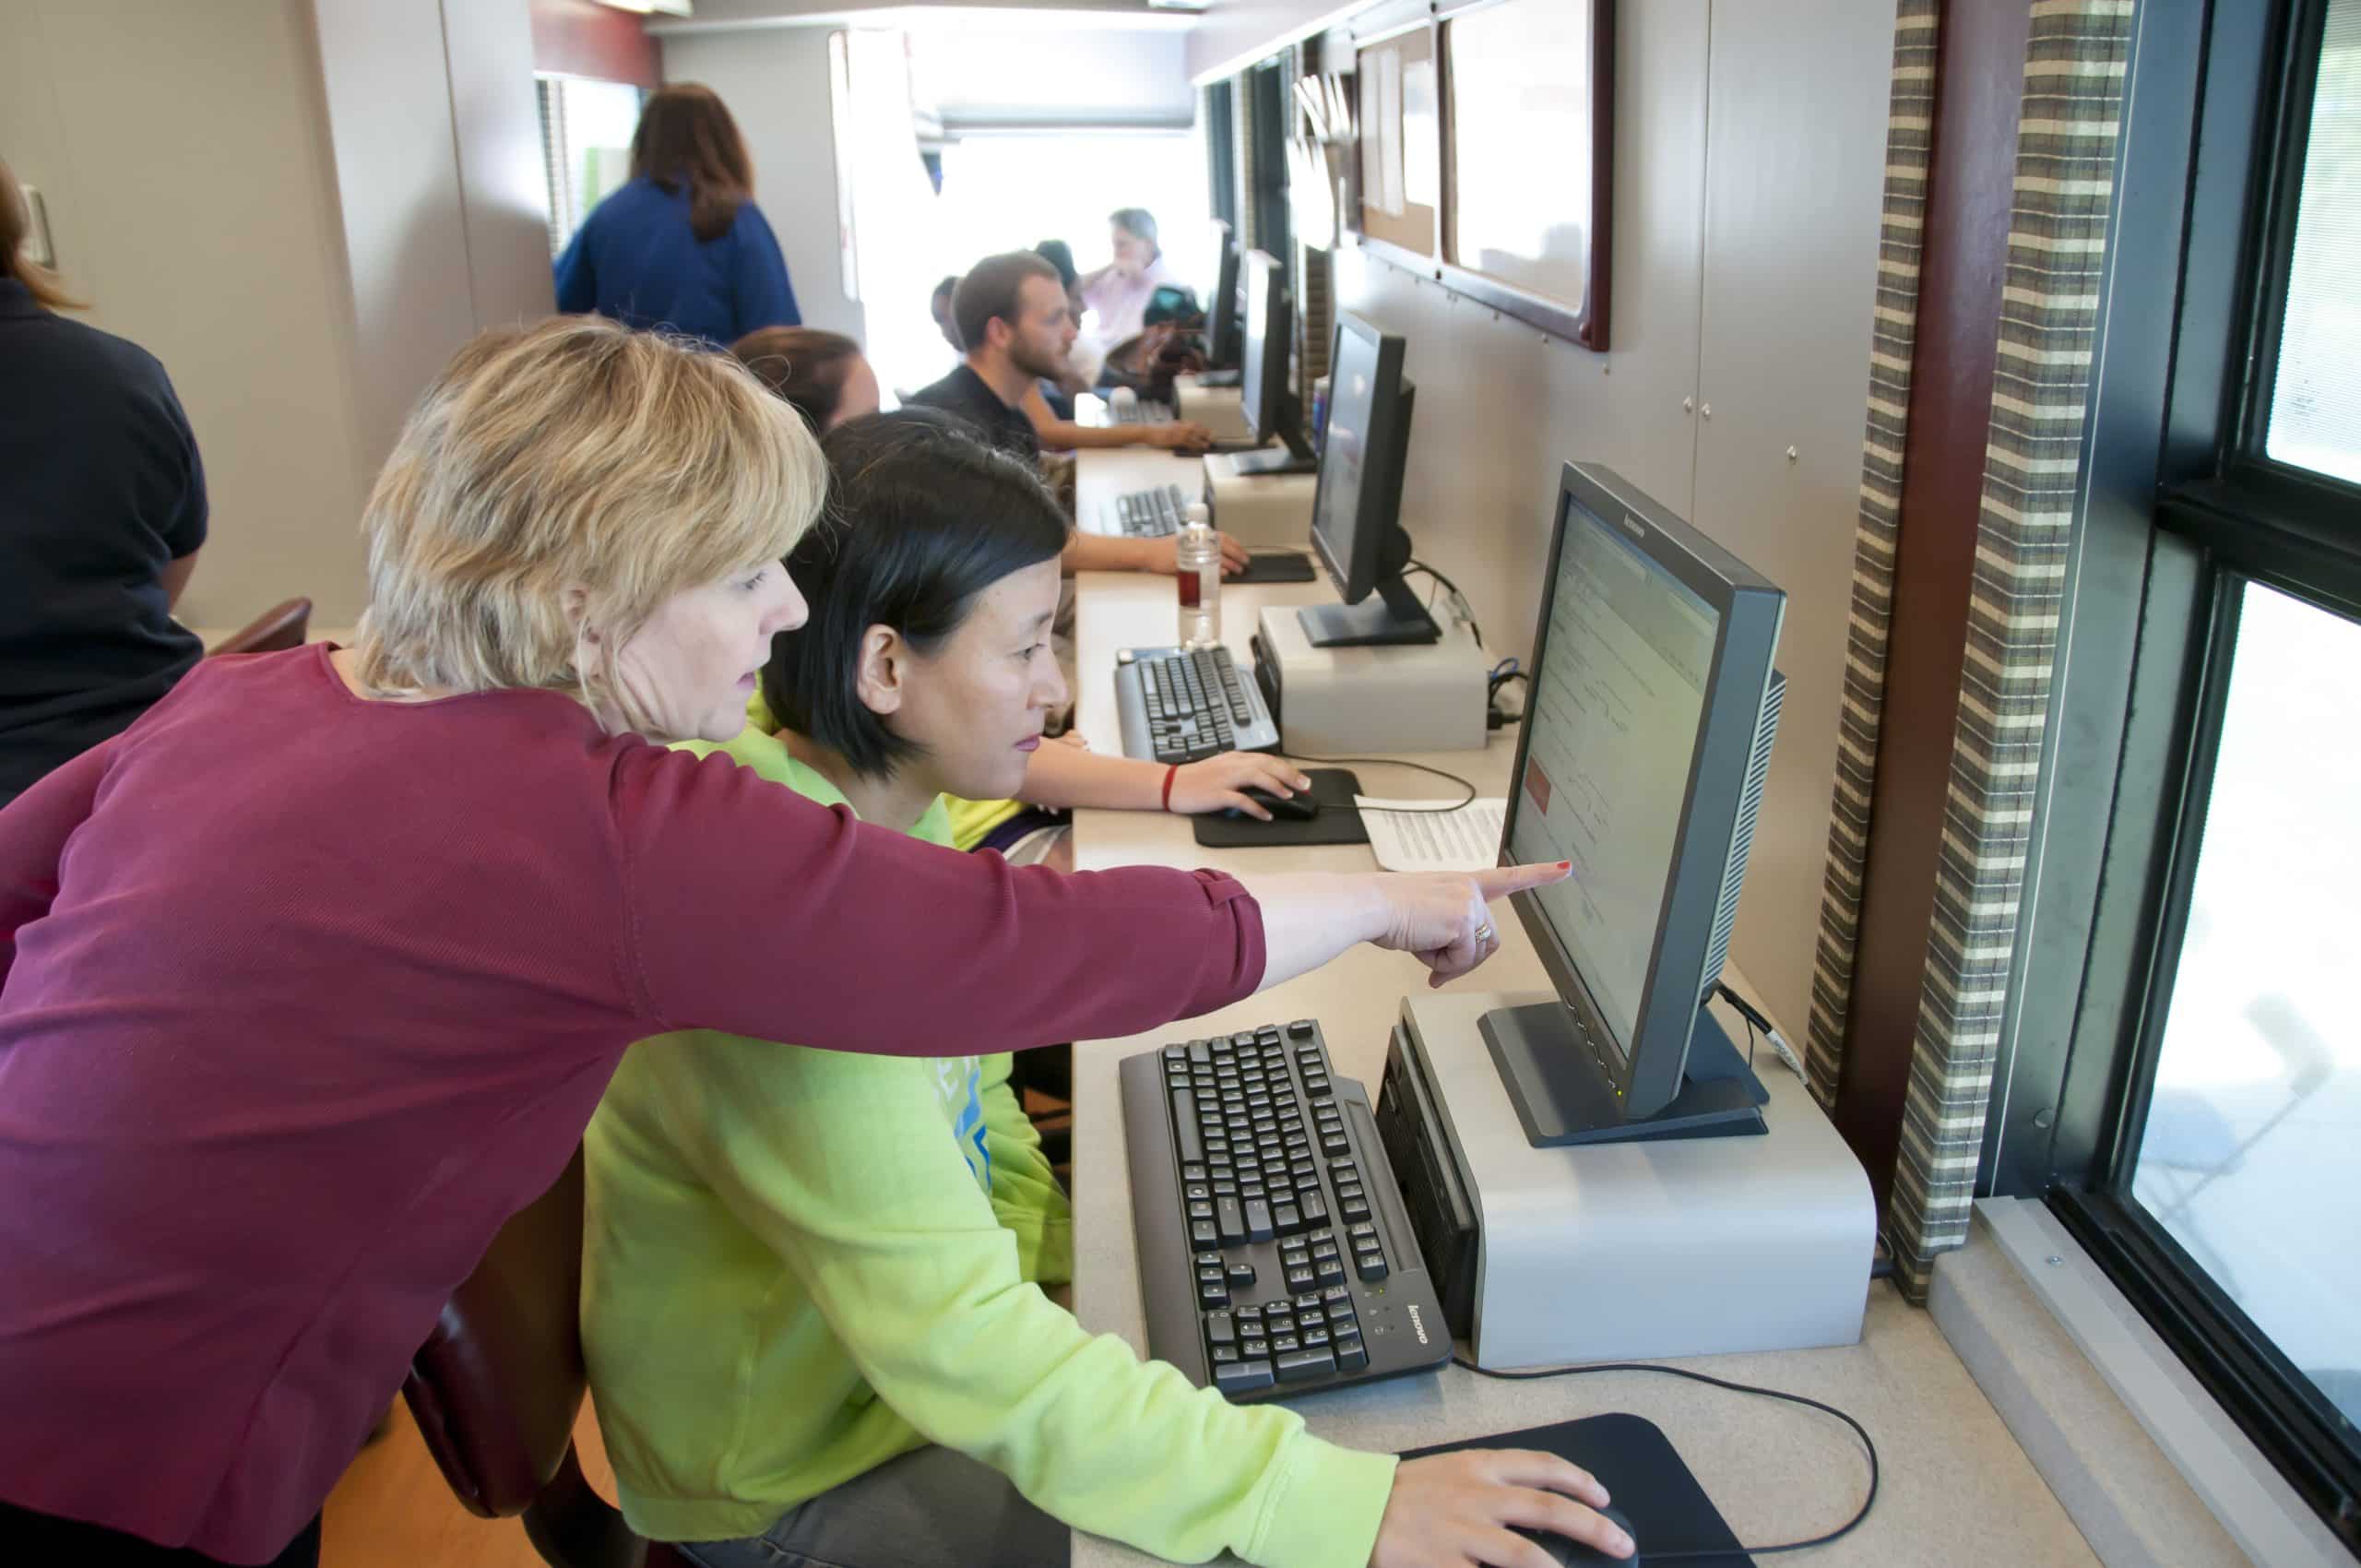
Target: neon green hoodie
(799, 1264)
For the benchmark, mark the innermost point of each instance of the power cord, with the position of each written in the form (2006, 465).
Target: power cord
(1755, 1020)
(1653, 1556)
(1458, 600)
(1461, 804)
(1495, 717)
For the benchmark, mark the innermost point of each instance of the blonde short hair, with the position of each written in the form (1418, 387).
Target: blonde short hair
(571, 453)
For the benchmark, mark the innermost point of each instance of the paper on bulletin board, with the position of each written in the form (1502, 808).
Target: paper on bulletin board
(1421, 136)
(1389, 134)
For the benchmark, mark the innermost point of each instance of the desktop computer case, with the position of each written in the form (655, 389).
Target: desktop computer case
(1607, 1252)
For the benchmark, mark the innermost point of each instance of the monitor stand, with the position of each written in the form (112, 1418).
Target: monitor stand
(1392, 617)
(1561, 1096)
(1274, 461)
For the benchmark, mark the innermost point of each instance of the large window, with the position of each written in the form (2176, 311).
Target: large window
(2196, 907)
(585, 145)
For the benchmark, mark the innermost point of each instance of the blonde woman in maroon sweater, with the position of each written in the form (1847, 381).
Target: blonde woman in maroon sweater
(312, 976)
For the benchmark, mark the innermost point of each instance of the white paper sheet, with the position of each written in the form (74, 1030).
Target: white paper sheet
(1414, 836)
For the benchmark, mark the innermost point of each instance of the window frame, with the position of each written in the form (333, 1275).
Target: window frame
(2184, 508)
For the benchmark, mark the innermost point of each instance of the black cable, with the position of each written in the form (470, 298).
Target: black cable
(1744, 1009)
(1648, 1555)
(1415, 565)
(1396, 762)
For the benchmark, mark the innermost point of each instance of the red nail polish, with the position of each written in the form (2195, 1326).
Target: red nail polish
(1565, 865)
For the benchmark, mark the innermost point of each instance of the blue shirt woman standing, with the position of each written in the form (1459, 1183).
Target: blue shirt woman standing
(682, 246)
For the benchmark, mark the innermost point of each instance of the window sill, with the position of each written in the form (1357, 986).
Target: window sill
(2149, 1467)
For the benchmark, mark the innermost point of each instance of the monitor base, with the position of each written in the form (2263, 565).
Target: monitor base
(1274, 461)
(1382, 619)
(1561, 1097)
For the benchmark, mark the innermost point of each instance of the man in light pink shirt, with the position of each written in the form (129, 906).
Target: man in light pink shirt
(1118, 291)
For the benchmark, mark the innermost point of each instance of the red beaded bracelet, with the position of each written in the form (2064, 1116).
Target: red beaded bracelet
(1169, 774)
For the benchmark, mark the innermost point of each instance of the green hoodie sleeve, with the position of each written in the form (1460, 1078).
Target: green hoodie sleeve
(871, 1202)
(1026, 1195)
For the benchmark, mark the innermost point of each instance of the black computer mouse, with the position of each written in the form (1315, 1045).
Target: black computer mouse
(1575, 1554)
(1290, 808)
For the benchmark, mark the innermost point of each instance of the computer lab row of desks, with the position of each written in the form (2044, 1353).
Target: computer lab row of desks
(1954, 1487)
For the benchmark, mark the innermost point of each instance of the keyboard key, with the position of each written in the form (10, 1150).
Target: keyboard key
(1203, 1234)
(1351, 1354)
(1243, 1376)
(1369, 1266)
(1258, 1220)
(1221, 1329)
(1329, 1271)
(1242, 1274)
(1297, 1366)
(1286, 1343)
(1184, 1127)
(1225, 1353)
(1254, 1348)
(1230, 1220)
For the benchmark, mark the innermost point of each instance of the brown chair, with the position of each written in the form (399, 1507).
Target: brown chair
(497, 1386)
(280, 627)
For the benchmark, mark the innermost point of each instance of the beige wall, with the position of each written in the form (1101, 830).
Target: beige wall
(183, 154)
(776, 82)
(1745, 251)
(301, 208)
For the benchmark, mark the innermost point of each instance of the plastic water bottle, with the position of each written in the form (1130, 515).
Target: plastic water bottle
(1121, 400)
(1198, 570)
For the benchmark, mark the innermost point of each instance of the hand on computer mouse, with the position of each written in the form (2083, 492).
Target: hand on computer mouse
(1178, 436)
(1467, 1506)
(1230, 782)
(1568, 1552)
(1275, 808)
(1164, 554)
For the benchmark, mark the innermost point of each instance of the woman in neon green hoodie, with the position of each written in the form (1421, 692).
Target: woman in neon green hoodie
(813, 1300)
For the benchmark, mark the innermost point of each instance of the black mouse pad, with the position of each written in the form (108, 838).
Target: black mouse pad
(1644, 1478)
(1275, 566)
(1340, 821)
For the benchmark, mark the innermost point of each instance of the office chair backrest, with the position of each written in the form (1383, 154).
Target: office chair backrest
(497, 1385)
(280, 627)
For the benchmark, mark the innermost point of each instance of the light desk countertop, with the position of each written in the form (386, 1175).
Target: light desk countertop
(1955, 1487)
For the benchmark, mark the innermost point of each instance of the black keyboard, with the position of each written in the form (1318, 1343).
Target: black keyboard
(1181, 704)
(1276, 1255)
(1151, 513)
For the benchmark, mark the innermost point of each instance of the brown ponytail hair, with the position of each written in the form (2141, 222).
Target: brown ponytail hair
(801, 364)
(686, 136)
(16, 222)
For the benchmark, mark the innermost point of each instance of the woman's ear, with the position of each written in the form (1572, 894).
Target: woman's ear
(574, 603)
(878, 674)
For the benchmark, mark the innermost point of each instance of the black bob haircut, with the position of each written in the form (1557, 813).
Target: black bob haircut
(921, 517)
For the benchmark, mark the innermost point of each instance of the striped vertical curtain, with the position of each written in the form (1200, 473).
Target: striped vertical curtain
(1910, 121)
(2063, 191)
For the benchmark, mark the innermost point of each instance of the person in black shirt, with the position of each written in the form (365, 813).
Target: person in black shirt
(102, 513)
(1011, 312)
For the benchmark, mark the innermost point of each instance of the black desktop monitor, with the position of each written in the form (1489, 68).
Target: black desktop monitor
(1647, 733)
(1269, 406)
(1222, 346)
(1355, 509)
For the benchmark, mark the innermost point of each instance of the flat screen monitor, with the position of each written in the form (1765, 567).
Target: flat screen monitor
(1221, 331)
(1269, 406)
(1651, 706)
(1355, 507)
